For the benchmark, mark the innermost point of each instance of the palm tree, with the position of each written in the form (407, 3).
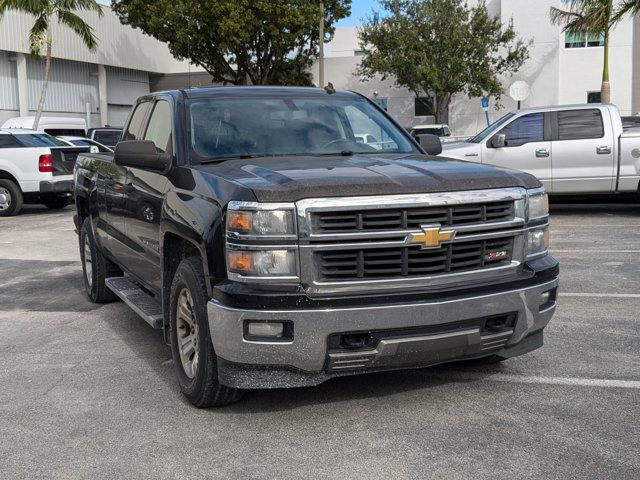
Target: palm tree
(45, 13)
(597, 17)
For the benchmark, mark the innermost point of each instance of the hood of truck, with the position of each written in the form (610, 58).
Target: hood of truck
(462, 151)
(292, 178)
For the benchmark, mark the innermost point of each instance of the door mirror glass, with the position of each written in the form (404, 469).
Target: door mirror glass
(430, 143)
(140, 154)
(499, 140)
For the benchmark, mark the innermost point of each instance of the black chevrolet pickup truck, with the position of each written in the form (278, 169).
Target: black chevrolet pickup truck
(283, 236)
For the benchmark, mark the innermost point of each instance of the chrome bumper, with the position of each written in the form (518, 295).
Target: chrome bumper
(308, 351)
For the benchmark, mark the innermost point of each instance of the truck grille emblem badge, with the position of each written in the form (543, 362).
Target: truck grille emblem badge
(432, 236)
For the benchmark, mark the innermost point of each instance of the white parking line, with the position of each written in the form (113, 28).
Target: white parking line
(571, 381)
(601, 295)
(553, 250)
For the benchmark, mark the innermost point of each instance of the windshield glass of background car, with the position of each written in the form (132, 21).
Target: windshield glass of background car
(39, 140)
(490, 129)
(290, 126)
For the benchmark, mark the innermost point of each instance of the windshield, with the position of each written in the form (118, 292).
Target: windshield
(262, 126)
(39, 140)
(490, 129)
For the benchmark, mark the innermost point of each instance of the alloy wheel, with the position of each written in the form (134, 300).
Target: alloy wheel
(5, 199)
(187, 333)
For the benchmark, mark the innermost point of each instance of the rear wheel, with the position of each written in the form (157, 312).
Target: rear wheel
(95, 267)
(56, 203)
(194, 360)
(10, 198)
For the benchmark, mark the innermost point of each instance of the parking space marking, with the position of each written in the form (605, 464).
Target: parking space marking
(601, 295)
(569, 381)
(593, 251)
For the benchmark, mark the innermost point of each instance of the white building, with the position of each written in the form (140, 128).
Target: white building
(102, 84)
(562, 69)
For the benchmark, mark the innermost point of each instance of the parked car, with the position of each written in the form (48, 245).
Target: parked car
(94, 147)
(54, 126)
(108, 136)
(438, 129)
(572, 149)
(34, 168)
(276, 250)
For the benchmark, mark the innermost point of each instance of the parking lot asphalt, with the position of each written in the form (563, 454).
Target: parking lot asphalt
(88, 391)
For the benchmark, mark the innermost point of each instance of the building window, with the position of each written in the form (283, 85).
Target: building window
(582, 40)
(594, 97)
(359, 53)
(421, 107)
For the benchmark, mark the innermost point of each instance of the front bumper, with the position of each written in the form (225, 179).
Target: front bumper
(60, 186)
(409, 335)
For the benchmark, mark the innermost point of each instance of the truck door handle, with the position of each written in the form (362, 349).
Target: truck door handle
(603, 150)
(542, 152)
(470, 154)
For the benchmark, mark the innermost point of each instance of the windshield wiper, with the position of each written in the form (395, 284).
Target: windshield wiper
(222, 158)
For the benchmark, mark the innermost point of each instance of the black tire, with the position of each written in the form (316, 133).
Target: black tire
(56, 203)
(12, 198)
(101, 268)
(203, 389)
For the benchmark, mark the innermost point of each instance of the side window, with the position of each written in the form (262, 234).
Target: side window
(8, 141)
(367, 131)
(580, 124)
(526, 129)
(159, 129)
(135, 128)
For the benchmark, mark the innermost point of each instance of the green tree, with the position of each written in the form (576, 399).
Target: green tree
(46, 12)
(596, 17)
(259, 41)
(440, 48)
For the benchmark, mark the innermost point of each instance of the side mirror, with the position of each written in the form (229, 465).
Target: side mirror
(499, 141)
(430, 143)
(140, 154)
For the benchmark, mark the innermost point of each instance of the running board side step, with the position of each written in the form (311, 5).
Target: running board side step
(140, 302)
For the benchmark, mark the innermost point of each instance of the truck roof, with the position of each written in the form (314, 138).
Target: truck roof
(255, 91)
(18, 131)
(576, 106)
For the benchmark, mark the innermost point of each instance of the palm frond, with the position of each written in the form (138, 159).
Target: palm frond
(80, 27)
(627, 7)
(37, 34)
(34, 7)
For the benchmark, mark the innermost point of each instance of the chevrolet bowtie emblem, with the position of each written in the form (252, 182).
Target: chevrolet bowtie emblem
(432, 236)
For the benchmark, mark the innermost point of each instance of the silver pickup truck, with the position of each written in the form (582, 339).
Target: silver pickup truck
(571, 149)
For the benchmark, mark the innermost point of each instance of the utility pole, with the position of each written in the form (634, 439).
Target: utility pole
(321, 46)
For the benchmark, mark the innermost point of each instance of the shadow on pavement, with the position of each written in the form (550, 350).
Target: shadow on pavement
(43, 286)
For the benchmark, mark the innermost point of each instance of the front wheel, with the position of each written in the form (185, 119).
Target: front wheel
(194, 360)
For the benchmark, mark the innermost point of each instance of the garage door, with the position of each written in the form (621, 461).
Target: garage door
(117, 114)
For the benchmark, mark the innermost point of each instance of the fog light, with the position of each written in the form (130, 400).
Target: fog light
(265, 329)
(547, 299)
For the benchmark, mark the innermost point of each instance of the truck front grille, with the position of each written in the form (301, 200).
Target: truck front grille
(380, 263)
(411, 218)
(361, 244)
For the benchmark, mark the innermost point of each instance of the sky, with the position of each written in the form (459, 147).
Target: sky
(360, 9)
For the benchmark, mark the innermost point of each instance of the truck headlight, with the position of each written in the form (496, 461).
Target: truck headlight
(538, 242)
(538, 204)
(245, 219)
(276, 264)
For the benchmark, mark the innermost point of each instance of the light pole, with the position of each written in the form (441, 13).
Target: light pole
(321, 45)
